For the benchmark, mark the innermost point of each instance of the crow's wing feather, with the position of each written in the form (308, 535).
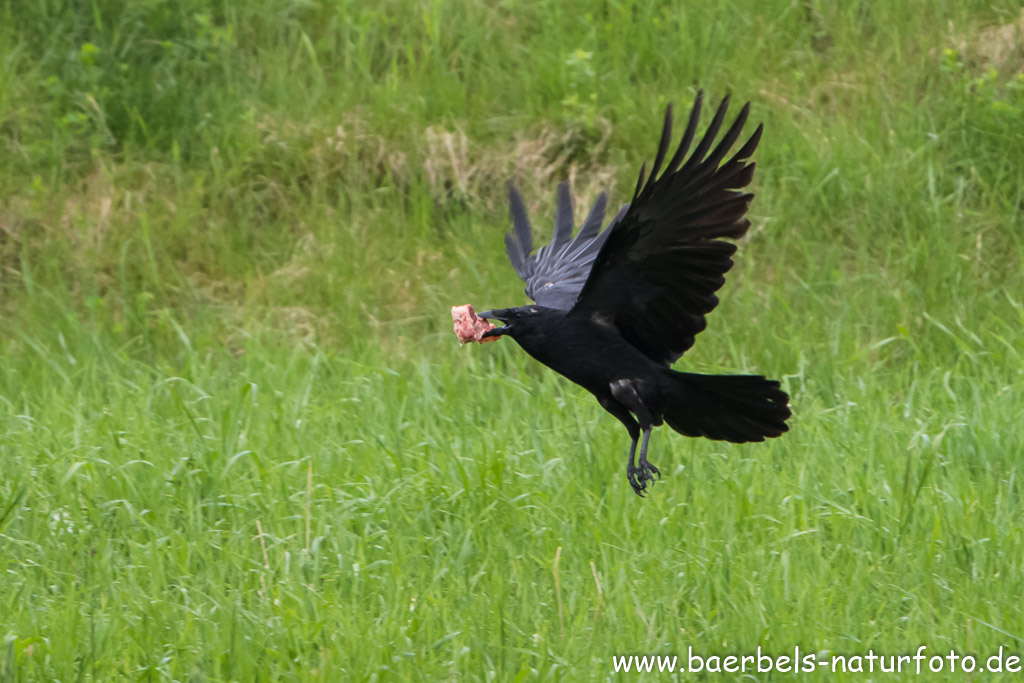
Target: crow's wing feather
(555, 275)
(660, 265)
(519, 244)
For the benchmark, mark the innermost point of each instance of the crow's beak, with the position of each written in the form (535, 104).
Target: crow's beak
(501, 315)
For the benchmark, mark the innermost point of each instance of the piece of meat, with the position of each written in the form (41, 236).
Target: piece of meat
(468, 327)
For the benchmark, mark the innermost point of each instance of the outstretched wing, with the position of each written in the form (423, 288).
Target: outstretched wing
(656, 275)
(555, 275)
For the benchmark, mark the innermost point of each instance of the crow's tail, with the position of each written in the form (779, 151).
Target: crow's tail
(735, 408)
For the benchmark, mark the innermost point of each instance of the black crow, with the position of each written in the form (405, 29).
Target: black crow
(615, 308)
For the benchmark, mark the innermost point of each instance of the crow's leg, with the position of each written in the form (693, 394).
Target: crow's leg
(626, 394)
(622, 414)
(631, 470)
(646, 468)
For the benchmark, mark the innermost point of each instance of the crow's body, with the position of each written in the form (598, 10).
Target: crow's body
(586, 352)
(616, 308)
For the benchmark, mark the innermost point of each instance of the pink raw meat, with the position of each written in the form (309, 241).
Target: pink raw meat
(468, 327)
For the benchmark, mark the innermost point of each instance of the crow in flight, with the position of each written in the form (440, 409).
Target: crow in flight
(616, 308)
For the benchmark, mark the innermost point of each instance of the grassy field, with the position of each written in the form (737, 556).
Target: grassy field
(238, 440)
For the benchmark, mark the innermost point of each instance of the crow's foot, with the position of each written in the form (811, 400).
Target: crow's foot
(640, 474)
(648, 469)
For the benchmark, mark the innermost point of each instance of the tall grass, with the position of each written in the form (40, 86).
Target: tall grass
(239, 442)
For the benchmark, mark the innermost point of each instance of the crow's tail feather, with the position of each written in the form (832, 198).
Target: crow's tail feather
(736, 408)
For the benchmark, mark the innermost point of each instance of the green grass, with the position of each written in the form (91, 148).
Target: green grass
(229, 237)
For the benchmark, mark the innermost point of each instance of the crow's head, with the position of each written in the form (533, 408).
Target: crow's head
(517, 322)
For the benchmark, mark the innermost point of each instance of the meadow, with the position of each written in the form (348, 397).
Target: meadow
(239, 441)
